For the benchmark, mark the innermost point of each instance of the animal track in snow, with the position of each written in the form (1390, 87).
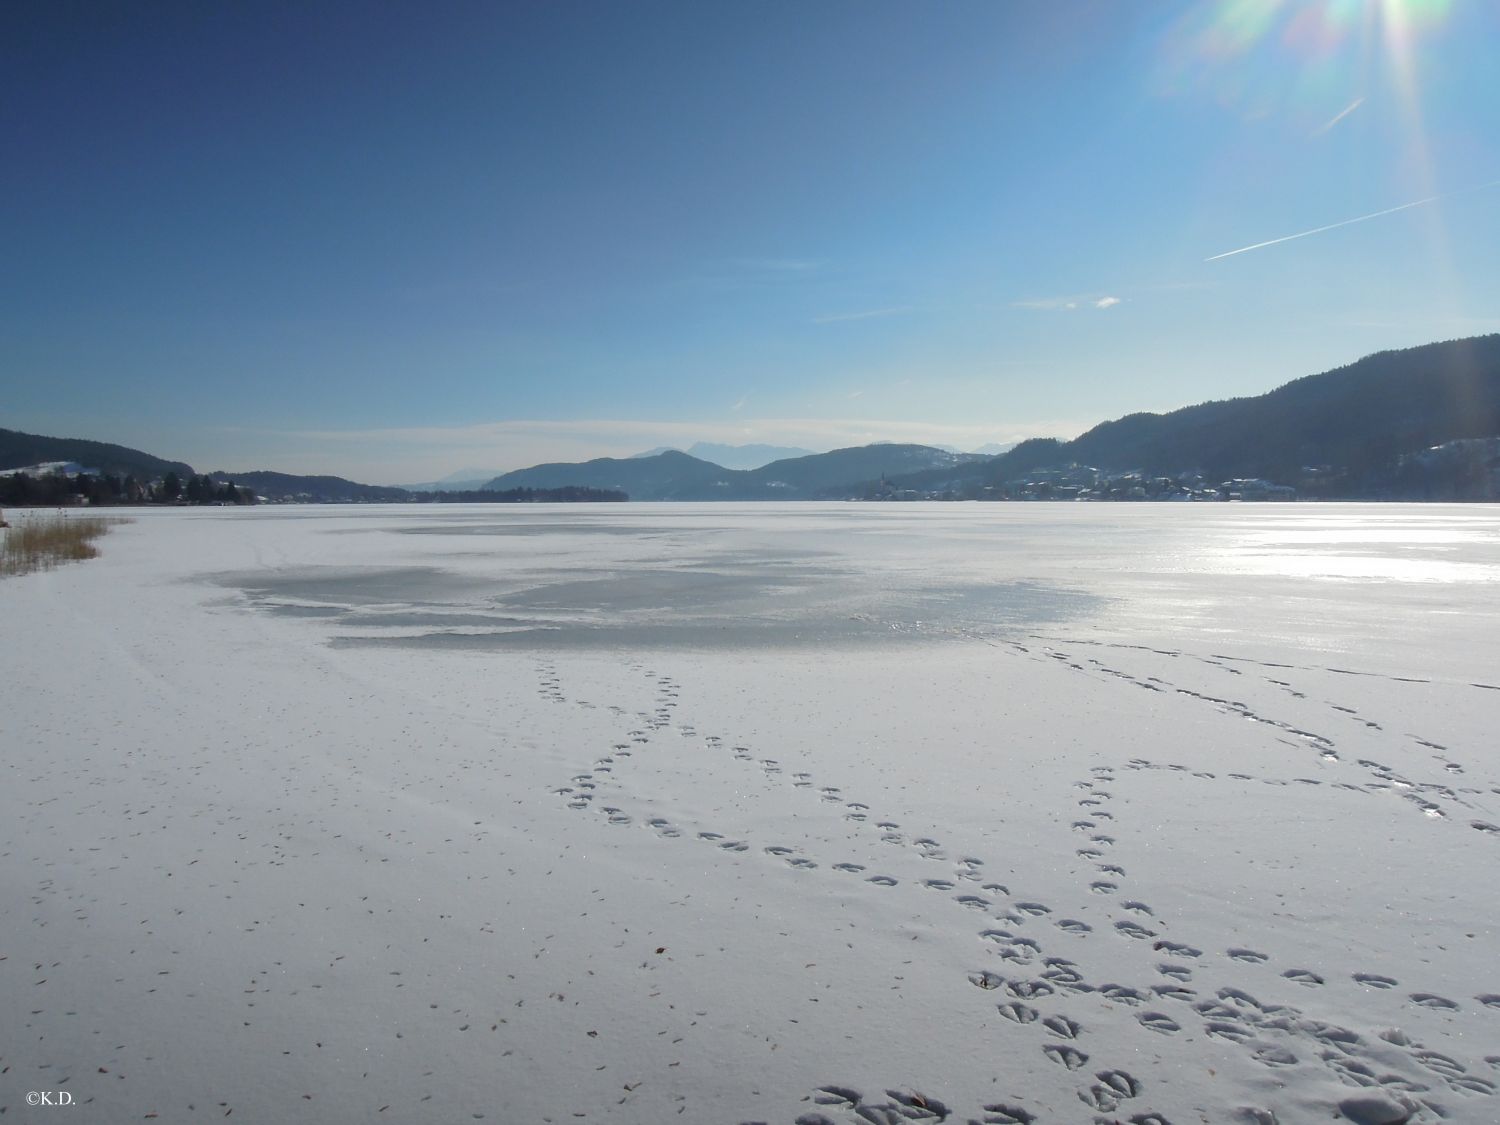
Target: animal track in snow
(1002, 1114)
(1062, 1027)
(1273, 1054)
(1122, 994)
(1029, 989)
(1178, 949)
(1174, 992)
(1223, 1029)
(1269, 1034)
(1429, 1000)
(1247, 955)
(1066, 1056)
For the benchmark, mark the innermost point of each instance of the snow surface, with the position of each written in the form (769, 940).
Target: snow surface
(782, 813)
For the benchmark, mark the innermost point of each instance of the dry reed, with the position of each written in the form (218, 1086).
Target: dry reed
(42, 542)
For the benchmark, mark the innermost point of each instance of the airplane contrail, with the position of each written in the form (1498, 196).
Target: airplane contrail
(1339, 116)
(1348, 222)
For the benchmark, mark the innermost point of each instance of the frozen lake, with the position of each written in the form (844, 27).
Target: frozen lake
(785, 813)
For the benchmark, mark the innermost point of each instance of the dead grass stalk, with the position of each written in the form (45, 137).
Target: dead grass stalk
(42, 542)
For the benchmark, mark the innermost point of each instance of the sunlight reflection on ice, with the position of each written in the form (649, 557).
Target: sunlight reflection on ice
(1379, 568)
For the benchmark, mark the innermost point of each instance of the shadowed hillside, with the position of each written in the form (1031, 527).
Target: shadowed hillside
(19, 451)
(1340, 433)
(1358, 417)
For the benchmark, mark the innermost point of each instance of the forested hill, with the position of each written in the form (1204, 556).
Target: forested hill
(1357, 418)
(839, 467)
(19, 451)
(279, 486)
(670, 475)
(337, 490)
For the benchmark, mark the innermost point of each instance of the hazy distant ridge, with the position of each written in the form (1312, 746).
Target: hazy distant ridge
(1356, 421)
(665, 476)
(732, 456)
(673, 475)
(1353, 424)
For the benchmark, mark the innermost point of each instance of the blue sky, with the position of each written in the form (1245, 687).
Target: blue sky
(393, 240)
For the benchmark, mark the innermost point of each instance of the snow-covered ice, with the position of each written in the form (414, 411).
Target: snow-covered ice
(730, 813)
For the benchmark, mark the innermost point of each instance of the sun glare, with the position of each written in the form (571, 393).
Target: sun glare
(1310, 59)
(1320, 68)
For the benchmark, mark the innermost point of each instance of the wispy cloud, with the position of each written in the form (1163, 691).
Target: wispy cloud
(1047, 303)
(740, 404)
(1337, 117)
(1351, 222)
(1068, 304)
(729, 275)
(867, 314)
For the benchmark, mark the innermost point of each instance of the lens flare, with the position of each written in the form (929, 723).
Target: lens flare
(1307, 58)
(1320, 68)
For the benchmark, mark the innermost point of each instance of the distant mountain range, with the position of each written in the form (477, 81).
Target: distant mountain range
(1354, 432)
(731, 456)
(464, 480)
(756, 456)
(673, 475)
(1342, 433)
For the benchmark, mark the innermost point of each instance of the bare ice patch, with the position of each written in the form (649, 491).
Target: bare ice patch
(756, 602)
